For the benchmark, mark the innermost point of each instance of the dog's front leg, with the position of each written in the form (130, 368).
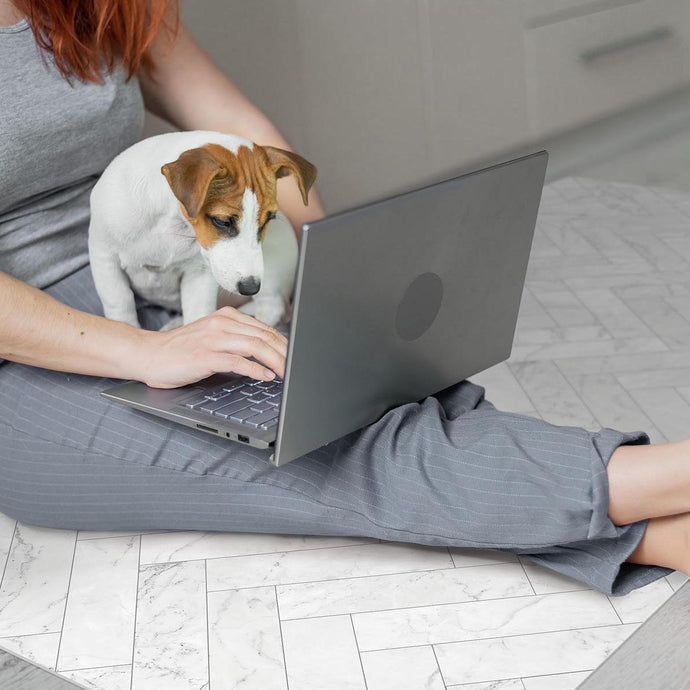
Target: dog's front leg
(112, 286)
(198, 294)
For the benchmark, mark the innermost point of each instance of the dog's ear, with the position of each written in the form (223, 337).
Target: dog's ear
(286, 162)
(190, 176)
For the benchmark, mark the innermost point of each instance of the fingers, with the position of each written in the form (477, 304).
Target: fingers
(237, 315)
(250, 346)
(235, 333)
(223, 342)
(271, 337)
(230, 319)
(224, 362)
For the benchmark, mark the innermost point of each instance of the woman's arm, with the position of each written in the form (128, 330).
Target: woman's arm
(39, 330)
(191, 92)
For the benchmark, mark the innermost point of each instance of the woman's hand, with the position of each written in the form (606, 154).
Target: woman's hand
(220, 342)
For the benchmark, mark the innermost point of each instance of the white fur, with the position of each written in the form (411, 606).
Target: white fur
(239, 257)
(136, 222)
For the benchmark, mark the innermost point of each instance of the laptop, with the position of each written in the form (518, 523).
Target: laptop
(394, 301)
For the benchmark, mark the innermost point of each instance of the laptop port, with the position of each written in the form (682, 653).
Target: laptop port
(207, 428)
(244, 439)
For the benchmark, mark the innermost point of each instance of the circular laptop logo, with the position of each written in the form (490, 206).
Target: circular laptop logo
(419, 306)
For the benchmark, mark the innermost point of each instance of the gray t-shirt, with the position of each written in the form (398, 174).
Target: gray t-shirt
(56, 138)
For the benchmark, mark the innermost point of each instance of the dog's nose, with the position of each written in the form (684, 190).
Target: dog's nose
(249, 286)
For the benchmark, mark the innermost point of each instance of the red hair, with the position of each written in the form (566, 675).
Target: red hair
(84, 35)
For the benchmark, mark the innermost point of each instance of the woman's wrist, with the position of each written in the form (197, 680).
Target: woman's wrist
(97, 346)
(139, 354)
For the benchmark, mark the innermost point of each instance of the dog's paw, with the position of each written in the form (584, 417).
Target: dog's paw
(249, 308)
(269, 310)
(175, 322)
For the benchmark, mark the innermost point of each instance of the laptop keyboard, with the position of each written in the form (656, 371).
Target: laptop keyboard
(244, 400)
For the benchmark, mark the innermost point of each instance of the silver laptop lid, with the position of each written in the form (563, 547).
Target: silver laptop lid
(403, 297)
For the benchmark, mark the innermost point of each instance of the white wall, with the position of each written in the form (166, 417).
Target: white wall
(383, 94)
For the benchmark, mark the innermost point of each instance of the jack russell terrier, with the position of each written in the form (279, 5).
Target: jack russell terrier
(176, 215)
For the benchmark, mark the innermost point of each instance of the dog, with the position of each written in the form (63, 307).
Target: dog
(177, 215)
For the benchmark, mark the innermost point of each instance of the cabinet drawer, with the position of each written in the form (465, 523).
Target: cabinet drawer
(585, 68)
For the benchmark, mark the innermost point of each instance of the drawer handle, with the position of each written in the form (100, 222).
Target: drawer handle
(661, 33)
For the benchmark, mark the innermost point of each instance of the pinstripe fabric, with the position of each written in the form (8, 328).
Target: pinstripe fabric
(449, 470)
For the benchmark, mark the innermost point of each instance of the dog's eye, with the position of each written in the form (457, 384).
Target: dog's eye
(226, 224)
(269, 217)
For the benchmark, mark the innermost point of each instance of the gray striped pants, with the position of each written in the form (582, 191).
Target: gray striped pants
(450, 470)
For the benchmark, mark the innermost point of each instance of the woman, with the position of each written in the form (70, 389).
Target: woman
(606, 507)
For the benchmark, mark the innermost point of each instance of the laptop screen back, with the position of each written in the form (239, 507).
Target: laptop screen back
(403, 297)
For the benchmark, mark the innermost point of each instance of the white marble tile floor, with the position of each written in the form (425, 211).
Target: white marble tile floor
(603, 339)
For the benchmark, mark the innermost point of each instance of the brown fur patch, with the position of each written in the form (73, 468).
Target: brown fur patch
(247, 169)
